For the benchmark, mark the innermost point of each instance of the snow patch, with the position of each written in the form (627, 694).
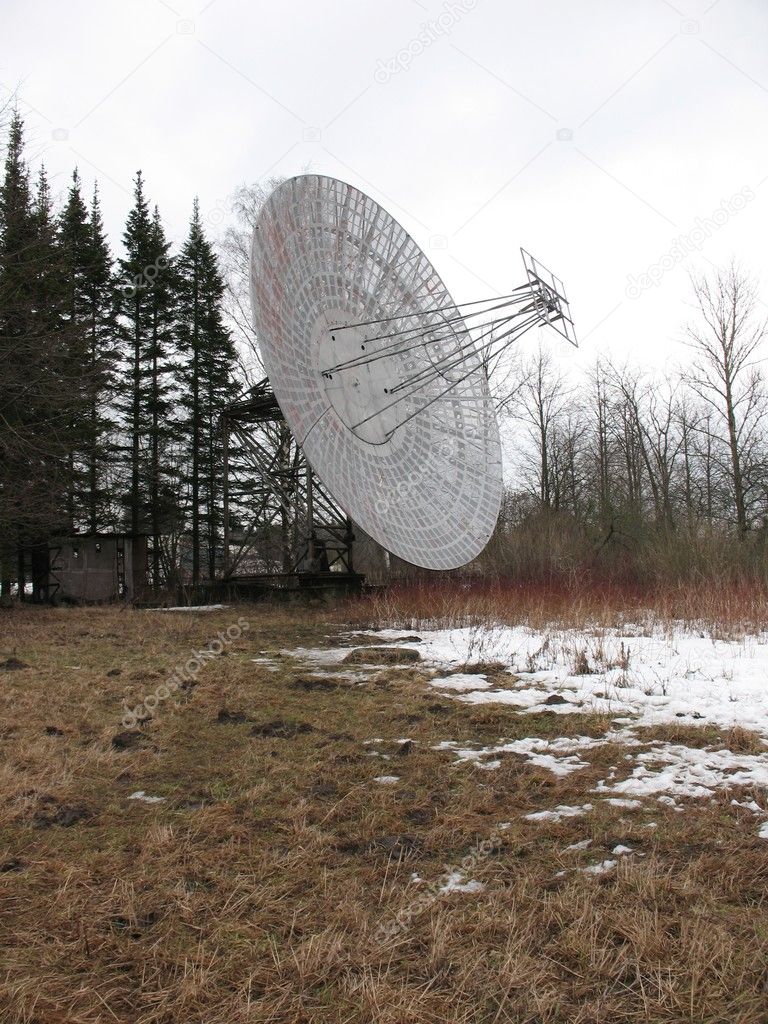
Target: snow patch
(560, 756)
(689, 772)
(598, 869)
(317, 655)
(560, 812)
(667, 675)
(455, 883)
(461, 681)
(193, 608)
(750, 805)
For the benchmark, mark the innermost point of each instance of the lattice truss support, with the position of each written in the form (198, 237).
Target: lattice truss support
(278, 518)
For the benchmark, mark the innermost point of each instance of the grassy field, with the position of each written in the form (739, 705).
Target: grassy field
(282, 878)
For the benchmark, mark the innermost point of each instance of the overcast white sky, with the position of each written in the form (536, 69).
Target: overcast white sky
(595, 133)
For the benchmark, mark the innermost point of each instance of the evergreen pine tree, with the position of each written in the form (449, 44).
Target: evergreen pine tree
(159, 391)
(34, 386)
(89, 314)
(208, 355)
(74, 242)
(54, 399)
(99, 293)
(17, 235)
(146, 298)
(134, 330)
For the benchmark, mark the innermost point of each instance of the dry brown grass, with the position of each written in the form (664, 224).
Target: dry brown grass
(735, 739)
(255, 892)
(728, 609)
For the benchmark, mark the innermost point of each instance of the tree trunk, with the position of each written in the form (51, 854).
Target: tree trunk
(135, 423)
(155, 462)
(195, 432)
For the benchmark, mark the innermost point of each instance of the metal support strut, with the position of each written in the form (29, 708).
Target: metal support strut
(471, 333)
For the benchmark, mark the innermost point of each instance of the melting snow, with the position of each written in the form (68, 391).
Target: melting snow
(561, 811)
(751, 805)
(558, 755)
(317, 655)
(461, 681)
(193, 608)
(640, 676)
(598, 869)
(141, 795)
(667, 676)
(689, 771)
(455, 883)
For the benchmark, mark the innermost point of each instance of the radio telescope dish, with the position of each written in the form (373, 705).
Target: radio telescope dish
(376, 372)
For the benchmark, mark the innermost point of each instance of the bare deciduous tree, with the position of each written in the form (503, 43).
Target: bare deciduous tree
(542, 398)
(235, 252)
(727, 376)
